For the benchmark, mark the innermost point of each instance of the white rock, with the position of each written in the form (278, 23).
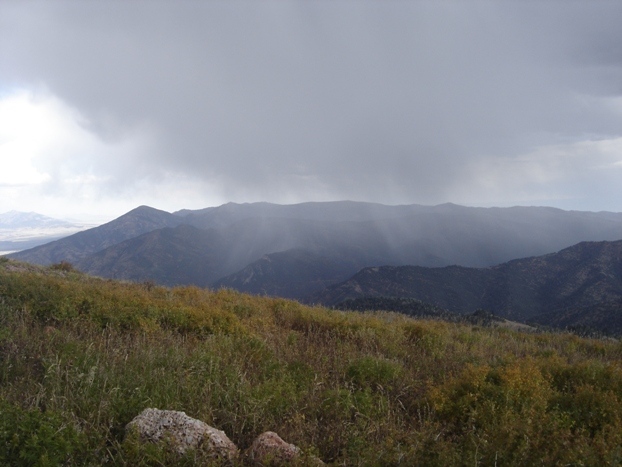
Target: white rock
(184, 432)
(269, 449)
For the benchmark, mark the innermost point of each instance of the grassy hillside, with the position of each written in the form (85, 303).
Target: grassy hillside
(80, 357)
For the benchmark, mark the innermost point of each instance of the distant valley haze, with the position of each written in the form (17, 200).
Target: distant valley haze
(24, 230)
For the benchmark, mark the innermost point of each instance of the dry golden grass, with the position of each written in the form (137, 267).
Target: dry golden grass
(80, 357)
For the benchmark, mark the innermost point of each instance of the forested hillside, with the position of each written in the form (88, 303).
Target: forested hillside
(580, 285)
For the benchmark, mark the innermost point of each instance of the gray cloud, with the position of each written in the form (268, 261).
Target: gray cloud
(288, 101)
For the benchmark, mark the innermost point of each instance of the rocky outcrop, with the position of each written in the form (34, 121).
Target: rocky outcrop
(269, 449)
(184, 432)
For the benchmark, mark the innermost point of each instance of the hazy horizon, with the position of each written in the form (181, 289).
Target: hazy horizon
(90, 220)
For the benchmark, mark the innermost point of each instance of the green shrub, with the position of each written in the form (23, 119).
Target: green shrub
(64, 266)
(373, 372)
(426, 336)
(35, 438)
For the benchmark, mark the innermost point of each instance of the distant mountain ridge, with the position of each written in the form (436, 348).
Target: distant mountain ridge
(22, 220)
(581, 284)
(288, 274)
(25, 230)
(130, 225)
(311, 245)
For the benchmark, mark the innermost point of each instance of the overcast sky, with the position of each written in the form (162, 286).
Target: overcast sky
(108, 105)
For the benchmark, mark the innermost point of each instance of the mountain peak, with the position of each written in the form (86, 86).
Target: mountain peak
(145, 208)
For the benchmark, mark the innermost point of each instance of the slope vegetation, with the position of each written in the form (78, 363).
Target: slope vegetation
(80, 357)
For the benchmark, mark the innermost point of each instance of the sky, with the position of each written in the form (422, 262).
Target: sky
(105, 106)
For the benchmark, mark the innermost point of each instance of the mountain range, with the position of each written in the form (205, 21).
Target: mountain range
(580, 285)
(20, 220)
(458, 258)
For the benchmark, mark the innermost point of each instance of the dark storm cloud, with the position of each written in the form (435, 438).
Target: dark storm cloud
(382, 101)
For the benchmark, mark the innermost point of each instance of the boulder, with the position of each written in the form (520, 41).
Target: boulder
(269, 449)
(184, 432)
